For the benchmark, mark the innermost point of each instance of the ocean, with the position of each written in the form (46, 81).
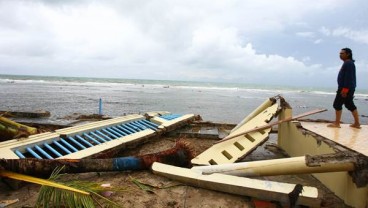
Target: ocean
(216, 102)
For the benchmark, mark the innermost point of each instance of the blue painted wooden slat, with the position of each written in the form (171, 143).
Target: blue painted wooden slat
(150, 123)
(114, 132)
(62, 147)
(17, 152)
(129, 128)
(170, 116)
(98, 137)
(69, 145)
(164, 117)
(77, 143)
(109, 133)
(104, 135)
(83, 140)
(119, 131)
(140, 126)
(126, 131)
(91, 138)
(33, 153)
(43, 152)
(135, 126)
(141, 123)
(136, 129)
(52, 150)
(147, 125)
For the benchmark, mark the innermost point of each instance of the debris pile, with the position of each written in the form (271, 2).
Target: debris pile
(134, 148)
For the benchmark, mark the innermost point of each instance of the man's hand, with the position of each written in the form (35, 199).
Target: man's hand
(344, 92)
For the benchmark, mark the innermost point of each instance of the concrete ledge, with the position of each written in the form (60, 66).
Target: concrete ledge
(297, 143)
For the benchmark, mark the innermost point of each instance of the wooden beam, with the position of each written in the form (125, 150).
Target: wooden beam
(261, 189)
(283, 166)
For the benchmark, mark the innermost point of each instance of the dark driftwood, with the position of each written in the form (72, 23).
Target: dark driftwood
(179, 155)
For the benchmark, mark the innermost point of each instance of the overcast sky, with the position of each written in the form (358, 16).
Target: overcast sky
(281, 42)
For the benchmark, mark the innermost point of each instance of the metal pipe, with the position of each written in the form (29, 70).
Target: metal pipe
(100, 107)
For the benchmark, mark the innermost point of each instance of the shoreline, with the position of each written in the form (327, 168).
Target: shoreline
(170, 84)
(216, 105)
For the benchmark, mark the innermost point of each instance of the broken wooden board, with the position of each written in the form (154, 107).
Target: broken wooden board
(89, 139)
(266, 104)
(168, 121)
(265, 190)
(79, 141)
(171, 121)
(232, 150)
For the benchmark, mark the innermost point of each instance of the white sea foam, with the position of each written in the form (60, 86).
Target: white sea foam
(218, 102)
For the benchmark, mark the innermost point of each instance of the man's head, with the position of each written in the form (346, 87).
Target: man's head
(346, 54)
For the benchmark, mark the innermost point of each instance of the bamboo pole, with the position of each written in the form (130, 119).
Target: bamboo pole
(10, 129)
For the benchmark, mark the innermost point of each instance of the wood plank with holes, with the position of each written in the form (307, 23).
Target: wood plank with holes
(231, 150)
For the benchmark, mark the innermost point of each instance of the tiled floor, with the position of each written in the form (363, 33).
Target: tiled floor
(352, 138)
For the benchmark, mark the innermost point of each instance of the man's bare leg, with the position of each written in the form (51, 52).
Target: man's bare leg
(336, 124)
(356, 123)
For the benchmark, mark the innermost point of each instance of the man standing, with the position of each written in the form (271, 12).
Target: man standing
(346, 81)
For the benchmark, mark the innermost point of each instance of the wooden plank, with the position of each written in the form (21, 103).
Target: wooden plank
(233, 150)
(265, 190)
(40, 139)
(266, 104)
(273, 124)
(168, 123)
(70, 131)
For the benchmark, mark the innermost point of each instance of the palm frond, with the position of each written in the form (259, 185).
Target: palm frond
(21, 177)
(62, 198)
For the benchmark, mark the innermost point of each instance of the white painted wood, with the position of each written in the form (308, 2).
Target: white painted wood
(168, 123)
(71, 131)
(266, 104)
(261, 189)
(6, 148)
(231, 150)
(285, 166)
